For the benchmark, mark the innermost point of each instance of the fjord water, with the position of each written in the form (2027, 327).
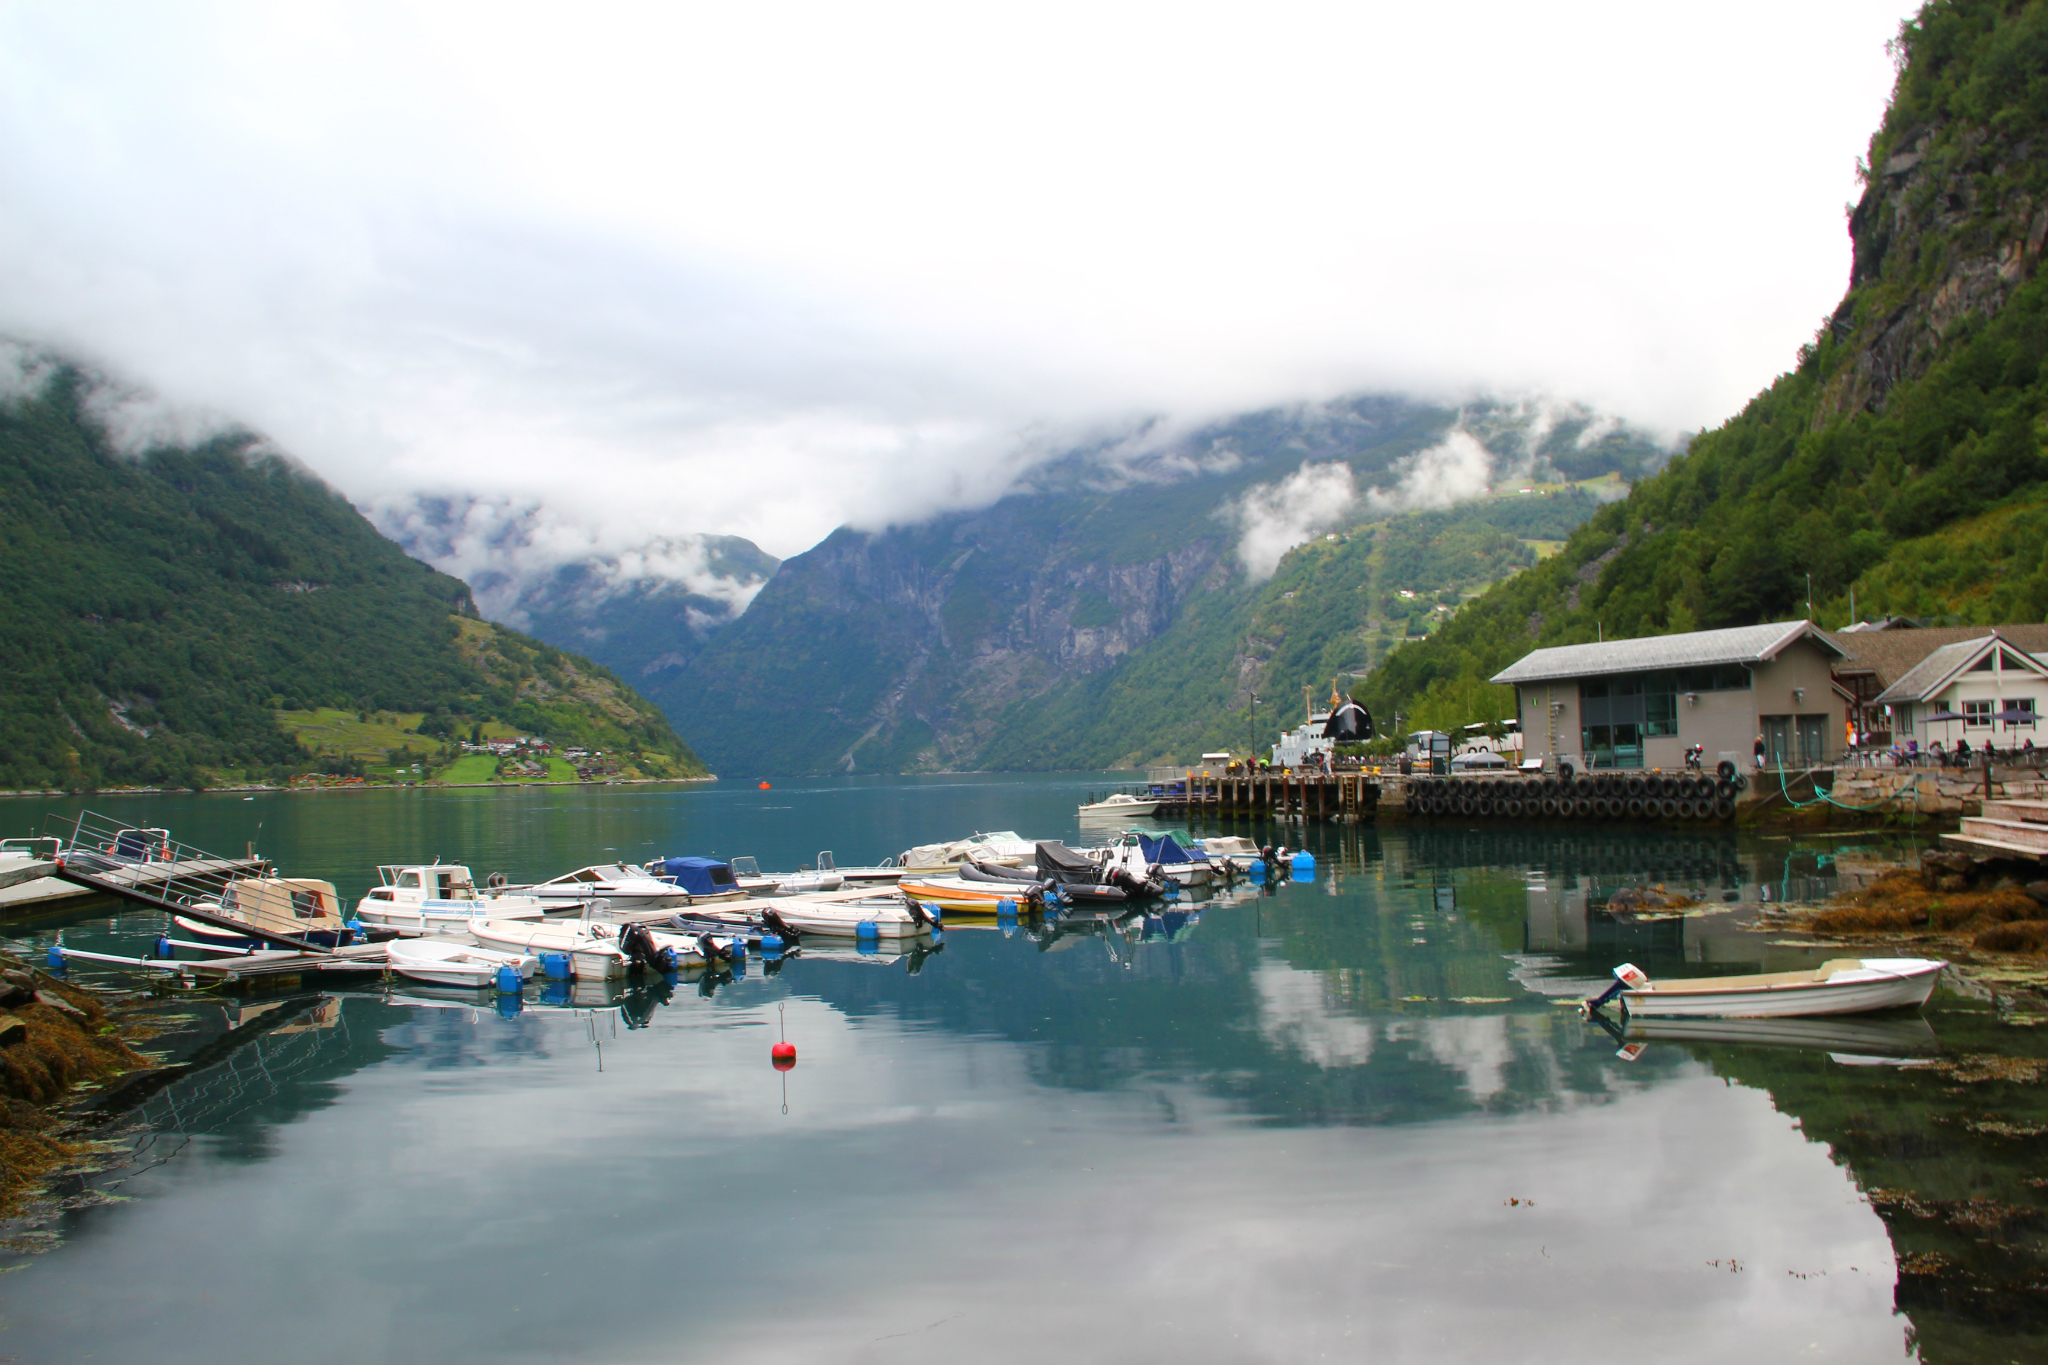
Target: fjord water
(1343, 1118)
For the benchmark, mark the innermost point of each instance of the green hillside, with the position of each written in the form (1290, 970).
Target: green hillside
(1902, 459)
(1103, 614)
(161, 611)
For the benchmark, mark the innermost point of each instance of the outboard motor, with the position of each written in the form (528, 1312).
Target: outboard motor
(641, 949)
(711, 950)
(780, 925)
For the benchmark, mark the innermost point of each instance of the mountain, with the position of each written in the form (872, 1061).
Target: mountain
(172, 616)
(1125, 597)
(643, 613)
(1901, 461)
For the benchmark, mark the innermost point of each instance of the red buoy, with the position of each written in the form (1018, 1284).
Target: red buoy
(784, 1055)
(764, 786)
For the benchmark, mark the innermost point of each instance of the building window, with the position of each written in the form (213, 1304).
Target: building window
(1612, 746)
(2025, 704)
(1976, 715)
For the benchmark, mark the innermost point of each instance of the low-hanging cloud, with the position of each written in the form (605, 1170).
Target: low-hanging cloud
(675, 269)
(1273, 518)
(1454, 470)
(509, 553)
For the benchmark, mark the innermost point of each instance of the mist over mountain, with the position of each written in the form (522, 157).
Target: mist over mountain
(969, 638)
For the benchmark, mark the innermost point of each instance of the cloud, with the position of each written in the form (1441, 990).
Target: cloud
(1273, 518)
(765, 270)
(509, 553)
(1454, 470)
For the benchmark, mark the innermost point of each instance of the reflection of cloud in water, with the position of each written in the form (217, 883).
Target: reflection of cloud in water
(1295, 1014)
(1386, 1244)
(538, 1209)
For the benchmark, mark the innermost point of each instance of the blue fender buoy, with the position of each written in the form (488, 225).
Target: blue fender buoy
(739, 948)
(555, 966)
(867, 931)
(1304, 861)
(508, 980)
(54, 959)
(771, 945)
(1006, 908)
(163, 946)
(1258, 872)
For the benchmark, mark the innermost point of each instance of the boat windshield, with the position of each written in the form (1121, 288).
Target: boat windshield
(825, 863)
(745, 867)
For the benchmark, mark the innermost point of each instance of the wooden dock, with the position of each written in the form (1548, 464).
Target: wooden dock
(1301, 795)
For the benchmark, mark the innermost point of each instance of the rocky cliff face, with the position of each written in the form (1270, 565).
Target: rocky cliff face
(922, 647)
(1953, 218)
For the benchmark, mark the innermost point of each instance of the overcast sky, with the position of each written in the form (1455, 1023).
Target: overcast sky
(764, 268)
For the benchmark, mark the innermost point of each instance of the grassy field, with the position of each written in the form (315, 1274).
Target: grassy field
(469, 768)
(479, 767)
(367, 737)
(1544, 548)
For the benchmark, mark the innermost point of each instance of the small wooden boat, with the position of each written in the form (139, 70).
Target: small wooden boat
(1120, 804)
(448, 962)
(1848, 985)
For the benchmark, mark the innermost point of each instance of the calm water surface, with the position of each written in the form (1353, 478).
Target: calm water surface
(1348, 1119)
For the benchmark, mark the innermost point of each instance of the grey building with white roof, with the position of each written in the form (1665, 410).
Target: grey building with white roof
(1642, 703)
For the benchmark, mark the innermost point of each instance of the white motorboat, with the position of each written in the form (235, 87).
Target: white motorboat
(299, 906)
(593, 949)
(445, 962)
(748, 877)
(874, 874)
(1120, 804)
(840, 914)
(623, 888)
(1848, 985)
(805, 881)
(1005, 847)
(1231, 852)
(437, 898)
(1162, 854)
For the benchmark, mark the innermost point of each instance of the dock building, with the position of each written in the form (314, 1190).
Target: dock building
(1642, 703)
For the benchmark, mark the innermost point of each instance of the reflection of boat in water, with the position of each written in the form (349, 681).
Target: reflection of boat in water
(1849, 1041)
(1847, 985)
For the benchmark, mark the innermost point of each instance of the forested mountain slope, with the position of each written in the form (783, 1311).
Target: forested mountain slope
(1123, 605)
(1902, 459)
(159, 612)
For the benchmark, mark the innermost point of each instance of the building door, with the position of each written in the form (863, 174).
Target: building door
(1777, 740)
(1813, 740)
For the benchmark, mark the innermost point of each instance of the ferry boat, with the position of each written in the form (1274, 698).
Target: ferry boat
(437, 898)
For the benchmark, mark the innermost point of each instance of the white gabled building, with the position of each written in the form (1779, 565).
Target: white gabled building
(1991, 685)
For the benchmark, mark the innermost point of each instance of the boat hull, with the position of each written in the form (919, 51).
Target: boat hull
(589, 958)
(1879, 989)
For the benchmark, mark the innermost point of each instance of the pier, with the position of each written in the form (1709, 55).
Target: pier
(1303, 795)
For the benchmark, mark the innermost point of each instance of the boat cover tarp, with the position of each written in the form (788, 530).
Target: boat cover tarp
(1164, 850)
(1058, 863)
(1349, 724)
(699, 876)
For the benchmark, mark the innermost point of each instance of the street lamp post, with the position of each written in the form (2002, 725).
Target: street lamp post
(1252, 735)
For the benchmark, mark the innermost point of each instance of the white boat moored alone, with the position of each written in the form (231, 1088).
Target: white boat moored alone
(1847, 985)
(1122, 803)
